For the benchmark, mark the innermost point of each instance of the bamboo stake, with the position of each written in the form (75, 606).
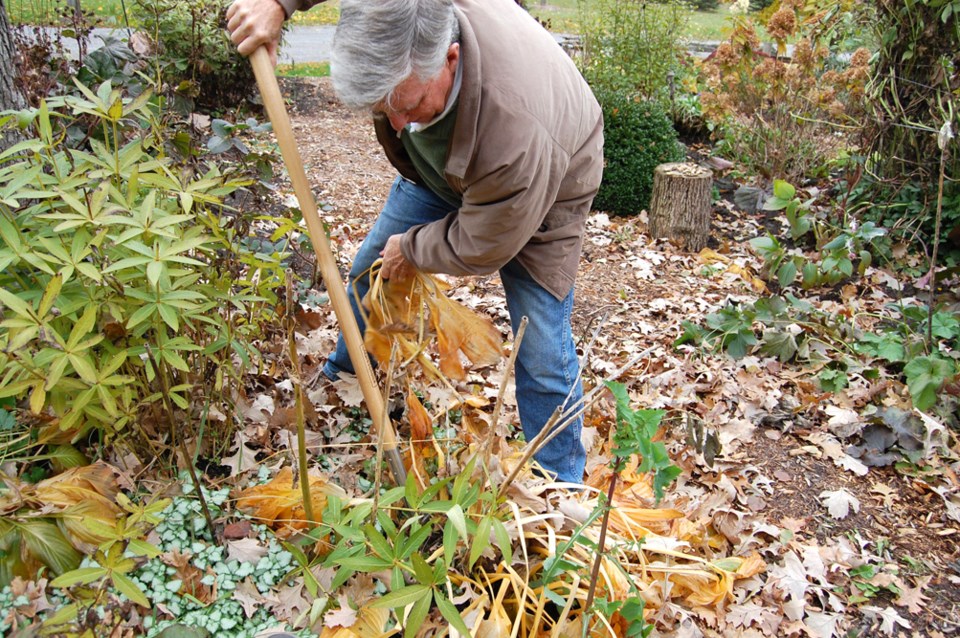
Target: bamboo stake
(277, 112)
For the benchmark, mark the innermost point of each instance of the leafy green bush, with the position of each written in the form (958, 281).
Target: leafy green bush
(116, 262)
(842, 249)
(632, 46)
(705, 5)
(638, 136)
(197, 58)
(760, 5)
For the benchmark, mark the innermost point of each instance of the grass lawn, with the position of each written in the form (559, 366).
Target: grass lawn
(562, 16)
(304, 70)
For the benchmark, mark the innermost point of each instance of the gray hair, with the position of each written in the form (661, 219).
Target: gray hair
(380, 43)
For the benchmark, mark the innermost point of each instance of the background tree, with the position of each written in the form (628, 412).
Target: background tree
(10, 97)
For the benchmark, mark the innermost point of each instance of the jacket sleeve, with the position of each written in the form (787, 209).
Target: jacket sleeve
(289, 6)
(501, 211)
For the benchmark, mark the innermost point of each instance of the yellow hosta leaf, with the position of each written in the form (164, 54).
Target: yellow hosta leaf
(95, 482)
(701, 587)
(400, 313)
(279, 503)
(710, 256)
(75, 521)
(421, 425)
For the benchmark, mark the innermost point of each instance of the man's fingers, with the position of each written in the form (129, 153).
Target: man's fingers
(253, 23)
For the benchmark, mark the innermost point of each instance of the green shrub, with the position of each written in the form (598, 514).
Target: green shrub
(705, 5)
(194, 51)
(638, 136)
(632, 46)
(760, 5)
(112, 255)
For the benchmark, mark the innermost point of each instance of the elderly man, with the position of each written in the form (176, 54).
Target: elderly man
(499, 145)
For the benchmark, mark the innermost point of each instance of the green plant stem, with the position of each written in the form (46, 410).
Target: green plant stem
(595, 573)
(298, 397)
(936, 246)
(160, 372)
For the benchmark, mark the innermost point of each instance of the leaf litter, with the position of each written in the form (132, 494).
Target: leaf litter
(779, 448)
(777, 526)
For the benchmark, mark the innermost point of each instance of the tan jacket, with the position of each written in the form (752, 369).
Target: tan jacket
(526, 154)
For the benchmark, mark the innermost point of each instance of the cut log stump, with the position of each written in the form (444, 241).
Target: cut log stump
(680, 204)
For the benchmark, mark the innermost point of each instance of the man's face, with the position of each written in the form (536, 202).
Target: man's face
(419, 101)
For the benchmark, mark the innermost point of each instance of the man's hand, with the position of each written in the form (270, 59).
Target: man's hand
(395, 265)
(253, 23)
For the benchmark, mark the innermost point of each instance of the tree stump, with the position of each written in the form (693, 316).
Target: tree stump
(680, 204)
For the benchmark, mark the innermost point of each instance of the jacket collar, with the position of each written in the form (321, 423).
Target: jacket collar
(468, 111)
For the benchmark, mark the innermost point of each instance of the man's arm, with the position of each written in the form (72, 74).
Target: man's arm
(255, 23)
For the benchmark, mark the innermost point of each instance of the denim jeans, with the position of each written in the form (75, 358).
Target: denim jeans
(547, 366)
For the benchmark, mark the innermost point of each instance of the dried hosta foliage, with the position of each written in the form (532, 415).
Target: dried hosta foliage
(279, 503)
(410, 315)
(77, 496)
(48, 525)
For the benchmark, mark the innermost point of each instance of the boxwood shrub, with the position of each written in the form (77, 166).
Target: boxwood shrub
(638, 135)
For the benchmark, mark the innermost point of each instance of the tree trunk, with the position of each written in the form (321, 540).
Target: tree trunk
(680, 204)
(10, 97)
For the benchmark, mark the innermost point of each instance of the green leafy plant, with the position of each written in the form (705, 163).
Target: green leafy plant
(632, 47)
(113, 249)
(415, 535)
(792, 330)
(198, 61)
(638, 136)
(900, 341)
(841, 249)
(866, 585)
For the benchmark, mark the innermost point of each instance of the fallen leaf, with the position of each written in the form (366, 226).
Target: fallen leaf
(243, 458)
(237, 530)
(888, 495)
(839, 502)
(821, 624)
(890, 619)
(345, 616)
(791, 578)
(912, 597)
(246, 550)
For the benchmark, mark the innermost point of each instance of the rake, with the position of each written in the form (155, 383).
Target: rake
(277, 112)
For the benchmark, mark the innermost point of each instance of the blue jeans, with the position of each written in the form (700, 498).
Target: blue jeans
(547, 366)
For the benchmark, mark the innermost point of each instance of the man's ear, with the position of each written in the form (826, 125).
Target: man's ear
(453, 55)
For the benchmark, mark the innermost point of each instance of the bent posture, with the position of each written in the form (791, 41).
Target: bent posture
(498, 142)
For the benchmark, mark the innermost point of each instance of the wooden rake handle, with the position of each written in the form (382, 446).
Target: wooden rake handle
(277, 112)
